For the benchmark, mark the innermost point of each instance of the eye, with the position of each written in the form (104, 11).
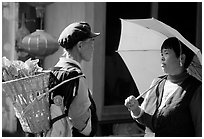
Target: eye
(166, 53)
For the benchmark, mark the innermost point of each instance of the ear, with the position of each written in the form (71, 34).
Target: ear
(182, 59)
(79, 45)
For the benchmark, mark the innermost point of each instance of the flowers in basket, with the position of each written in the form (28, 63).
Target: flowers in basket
(18, 69)
(28, 92)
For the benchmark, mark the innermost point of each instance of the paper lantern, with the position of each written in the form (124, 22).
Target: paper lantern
(39, 44)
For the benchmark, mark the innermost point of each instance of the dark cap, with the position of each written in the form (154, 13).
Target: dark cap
(74, 33)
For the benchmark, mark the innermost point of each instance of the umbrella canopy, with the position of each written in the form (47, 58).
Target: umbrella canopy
(139, 47)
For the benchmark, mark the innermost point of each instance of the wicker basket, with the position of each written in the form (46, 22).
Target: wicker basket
(30, 99)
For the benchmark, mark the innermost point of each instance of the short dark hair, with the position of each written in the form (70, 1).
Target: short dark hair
(177, 46)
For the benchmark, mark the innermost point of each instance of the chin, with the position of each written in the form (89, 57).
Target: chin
(164, 71)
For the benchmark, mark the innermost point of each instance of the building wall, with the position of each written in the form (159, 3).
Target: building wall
(9, 25)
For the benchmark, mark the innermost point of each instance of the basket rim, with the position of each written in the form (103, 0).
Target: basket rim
(27, 77)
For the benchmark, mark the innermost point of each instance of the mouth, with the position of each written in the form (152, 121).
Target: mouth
(163, 65)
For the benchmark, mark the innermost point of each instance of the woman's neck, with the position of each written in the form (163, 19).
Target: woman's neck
(178, 78)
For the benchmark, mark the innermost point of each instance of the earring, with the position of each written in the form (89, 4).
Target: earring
(181, 64)
(180, 61)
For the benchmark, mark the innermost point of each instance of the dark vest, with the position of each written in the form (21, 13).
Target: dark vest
(174, 119)
(61, 74)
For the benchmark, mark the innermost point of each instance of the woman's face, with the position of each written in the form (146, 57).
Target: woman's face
(87, 49)
(169, 62)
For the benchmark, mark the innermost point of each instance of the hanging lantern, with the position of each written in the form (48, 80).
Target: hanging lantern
(22, 31)
(39, 43)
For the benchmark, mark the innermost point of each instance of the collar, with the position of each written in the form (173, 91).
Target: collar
(63, 61)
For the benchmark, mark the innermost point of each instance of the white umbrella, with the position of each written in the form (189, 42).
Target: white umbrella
(140, 45)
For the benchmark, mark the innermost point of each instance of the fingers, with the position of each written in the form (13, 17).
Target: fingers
(131, 103)
(129, 100)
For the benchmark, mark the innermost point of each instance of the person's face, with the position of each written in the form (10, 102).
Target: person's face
(169, 62)
(87, 49)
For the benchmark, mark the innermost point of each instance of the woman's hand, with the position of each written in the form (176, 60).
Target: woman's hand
(132, 104)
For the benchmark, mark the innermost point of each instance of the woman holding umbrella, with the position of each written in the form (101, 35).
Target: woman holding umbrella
(173, 107)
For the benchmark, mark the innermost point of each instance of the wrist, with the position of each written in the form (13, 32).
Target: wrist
(136, 113)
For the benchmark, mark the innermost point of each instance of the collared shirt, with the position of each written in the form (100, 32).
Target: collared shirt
(79, 111)
(169, 89)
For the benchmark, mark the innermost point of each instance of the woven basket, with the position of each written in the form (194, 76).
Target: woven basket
(30, 99)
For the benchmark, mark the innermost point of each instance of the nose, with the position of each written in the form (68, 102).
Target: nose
(162, 58)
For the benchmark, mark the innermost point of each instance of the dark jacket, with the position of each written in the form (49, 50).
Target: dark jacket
(175, 118)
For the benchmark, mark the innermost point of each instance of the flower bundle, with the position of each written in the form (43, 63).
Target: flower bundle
(16, 69)
(26, 86)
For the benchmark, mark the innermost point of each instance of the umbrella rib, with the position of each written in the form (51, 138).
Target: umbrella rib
(196, 64)
(196, 73)
(136, 50)
(151, 87)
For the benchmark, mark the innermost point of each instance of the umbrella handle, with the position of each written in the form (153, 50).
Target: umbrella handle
(151, 88)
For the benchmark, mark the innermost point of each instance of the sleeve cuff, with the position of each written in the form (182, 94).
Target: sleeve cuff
(87, 130)
(137, 116)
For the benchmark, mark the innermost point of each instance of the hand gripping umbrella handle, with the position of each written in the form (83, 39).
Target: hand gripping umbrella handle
(159, 81)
